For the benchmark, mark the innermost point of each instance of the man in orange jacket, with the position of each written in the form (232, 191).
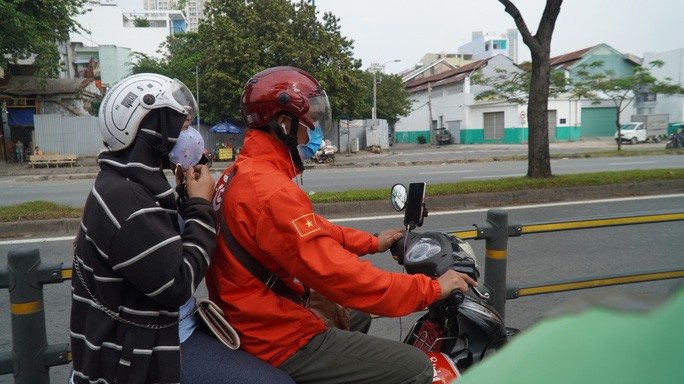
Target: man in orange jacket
(272, 218)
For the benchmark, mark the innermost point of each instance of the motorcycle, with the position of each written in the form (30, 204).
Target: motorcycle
(676, 141)
(460, 330)
(325, 154)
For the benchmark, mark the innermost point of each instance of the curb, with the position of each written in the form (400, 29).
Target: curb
(62, 227)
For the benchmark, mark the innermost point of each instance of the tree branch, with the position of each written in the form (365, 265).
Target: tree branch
(548, 20)
(512, 10)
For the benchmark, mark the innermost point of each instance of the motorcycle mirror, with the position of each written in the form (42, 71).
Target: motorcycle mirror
(398, 197)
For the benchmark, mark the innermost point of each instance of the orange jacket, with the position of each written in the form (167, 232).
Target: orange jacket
(273, 220)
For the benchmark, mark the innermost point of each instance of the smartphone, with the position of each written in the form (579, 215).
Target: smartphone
(415, 205)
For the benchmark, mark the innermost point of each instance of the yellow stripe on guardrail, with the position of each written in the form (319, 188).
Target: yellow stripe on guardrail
(27, 308)
(551, 288)
(67, 274)
(525, 229)
(465, 235)
(495, 254)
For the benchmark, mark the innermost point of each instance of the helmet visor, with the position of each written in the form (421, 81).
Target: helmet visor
(177, 97)
(319, 111)
(182, 95)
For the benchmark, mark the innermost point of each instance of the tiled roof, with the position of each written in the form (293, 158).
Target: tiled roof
(568, 59)
(452, 76)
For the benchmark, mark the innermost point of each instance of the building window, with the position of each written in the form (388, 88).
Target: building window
(646, 97)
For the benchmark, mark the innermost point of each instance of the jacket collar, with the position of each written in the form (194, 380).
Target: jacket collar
(265, 147)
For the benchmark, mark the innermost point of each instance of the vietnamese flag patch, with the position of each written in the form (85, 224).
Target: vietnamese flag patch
(306, 224)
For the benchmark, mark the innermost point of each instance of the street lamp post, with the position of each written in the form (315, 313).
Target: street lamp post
(197, 92)
(375, 67)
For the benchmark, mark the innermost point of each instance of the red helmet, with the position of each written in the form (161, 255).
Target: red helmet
(287, 90)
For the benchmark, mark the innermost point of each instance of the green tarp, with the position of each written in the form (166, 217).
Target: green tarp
(596, 345)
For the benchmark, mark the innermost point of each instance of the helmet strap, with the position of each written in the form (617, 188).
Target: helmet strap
(290, 140)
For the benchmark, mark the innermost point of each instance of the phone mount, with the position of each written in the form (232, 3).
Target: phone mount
(413, 202)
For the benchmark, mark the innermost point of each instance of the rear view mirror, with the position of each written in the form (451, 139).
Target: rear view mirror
(398, 197)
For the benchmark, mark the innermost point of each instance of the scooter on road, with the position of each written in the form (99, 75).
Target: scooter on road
(460, 330)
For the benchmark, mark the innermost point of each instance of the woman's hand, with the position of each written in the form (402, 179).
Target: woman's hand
(199, 183)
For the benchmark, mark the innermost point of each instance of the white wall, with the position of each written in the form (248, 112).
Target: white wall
(106, 27)
(674, 70)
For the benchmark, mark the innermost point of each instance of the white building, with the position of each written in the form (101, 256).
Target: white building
(193, 11)
(107, 24)
(447, 100)
(673, 69)
(484, 45)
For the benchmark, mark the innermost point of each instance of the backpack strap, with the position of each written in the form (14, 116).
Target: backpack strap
(249, 262)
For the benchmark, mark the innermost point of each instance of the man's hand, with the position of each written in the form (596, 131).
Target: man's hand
(199, 183)
(387, 238)
(452, 280)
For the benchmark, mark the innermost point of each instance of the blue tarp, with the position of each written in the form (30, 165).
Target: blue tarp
(20, 117)
(224, 128)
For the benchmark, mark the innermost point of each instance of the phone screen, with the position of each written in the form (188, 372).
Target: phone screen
(413, 217)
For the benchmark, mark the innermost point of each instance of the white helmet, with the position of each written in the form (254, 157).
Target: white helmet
(130, 100)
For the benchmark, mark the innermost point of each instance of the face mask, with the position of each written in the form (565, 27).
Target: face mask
(188, 149)
(315, 139)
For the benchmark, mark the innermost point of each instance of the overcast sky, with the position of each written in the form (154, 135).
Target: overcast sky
(385, 30)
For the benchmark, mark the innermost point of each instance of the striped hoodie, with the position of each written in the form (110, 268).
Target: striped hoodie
(135, 261)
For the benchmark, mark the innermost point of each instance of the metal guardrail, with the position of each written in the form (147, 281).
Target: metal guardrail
(496, 232)
(31, 356)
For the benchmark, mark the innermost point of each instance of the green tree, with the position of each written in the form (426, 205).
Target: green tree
(595, 84)
(538, 156)
(514, 87)
(244, 37)
(34, 28)
(141, 22)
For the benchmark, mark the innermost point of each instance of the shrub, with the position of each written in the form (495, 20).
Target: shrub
(421, 139)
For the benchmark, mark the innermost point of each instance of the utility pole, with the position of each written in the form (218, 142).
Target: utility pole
(375, 67)
(432, 133)
(374, 114)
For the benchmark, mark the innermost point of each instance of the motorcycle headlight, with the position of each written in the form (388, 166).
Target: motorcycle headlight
(423, 249)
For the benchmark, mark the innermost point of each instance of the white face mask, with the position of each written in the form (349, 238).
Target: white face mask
(188, 149)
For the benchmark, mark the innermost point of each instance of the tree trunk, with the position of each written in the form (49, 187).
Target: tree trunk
(538, 156)
(539, 159)
(619, 132)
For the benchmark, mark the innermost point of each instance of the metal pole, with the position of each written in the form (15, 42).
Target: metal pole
(198, 99)
(29, 339)
(496, 231)
(375, 86)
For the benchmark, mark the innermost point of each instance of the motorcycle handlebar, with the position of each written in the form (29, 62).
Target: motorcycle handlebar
(457, 296)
